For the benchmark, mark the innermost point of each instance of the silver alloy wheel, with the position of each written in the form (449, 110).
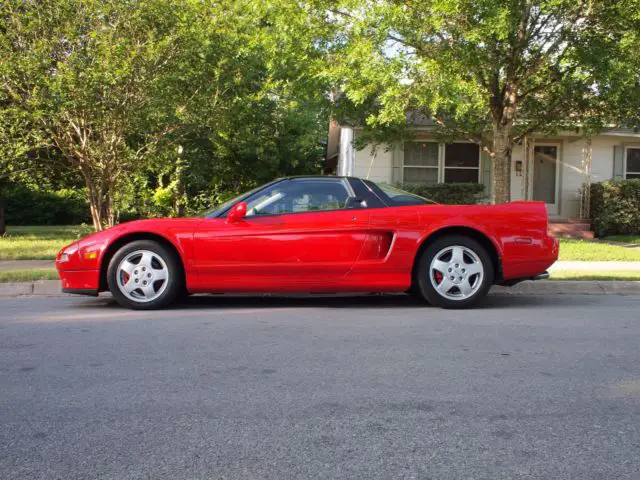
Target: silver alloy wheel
(142, 276)
(456, 272)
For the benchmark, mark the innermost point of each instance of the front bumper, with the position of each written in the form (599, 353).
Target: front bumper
(83, 282)
(79, 270)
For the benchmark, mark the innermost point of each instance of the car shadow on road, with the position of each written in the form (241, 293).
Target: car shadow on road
(391, 301)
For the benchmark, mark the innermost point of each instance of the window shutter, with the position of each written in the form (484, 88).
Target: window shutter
(397, 163)
(618, 162)
(486, 174)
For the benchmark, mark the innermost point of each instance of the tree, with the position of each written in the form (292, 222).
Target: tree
(617, 40)
(490, 72)
(116, 87)
(79, 78)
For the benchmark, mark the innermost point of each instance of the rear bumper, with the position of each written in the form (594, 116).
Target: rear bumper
(510, 283)
(534, 269)
(542, 276)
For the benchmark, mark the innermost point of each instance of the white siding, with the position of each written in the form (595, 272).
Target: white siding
(573, 175)
(378, 166)
(375, 165)
(602, 158)
(517, 183)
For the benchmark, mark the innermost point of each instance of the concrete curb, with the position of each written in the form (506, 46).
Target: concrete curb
(39, 287)
(544, 287)
(571, 287)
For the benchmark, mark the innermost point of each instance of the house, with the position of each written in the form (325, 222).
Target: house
(550, 169)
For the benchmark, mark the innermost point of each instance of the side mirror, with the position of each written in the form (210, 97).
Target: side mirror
(355, 202)
(237, 212)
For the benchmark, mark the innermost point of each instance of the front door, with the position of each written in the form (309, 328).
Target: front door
(546, 159)
(297, 235)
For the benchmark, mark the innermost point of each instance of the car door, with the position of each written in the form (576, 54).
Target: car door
(386, 260)
(298, 234)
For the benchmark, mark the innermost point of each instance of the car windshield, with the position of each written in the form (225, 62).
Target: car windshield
(216, 211)
(396, 196)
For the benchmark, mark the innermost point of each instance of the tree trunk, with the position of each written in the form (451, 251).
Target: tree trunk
(179, 194)
(3, 228)
(111, 212)
(501, 166)
(96, 213)
(95, 201)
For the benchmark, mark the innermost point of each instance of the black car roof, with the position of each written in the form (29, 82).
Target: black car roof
(315, 177)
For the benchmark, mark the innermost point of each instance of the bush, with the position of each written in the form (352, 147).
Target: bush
(27, 206)
(449, 193)
(615, 207)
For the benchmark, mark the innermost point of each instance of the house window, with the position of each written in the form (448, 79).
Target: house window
(432, 162)
(633, 163)
(461, 163)
(421, 162)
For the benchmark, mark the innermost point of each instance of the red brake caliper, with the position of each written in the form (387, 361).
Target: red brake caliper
(438, 276)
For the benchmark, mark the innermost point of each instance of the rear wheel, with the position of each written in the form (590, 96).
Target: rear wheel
(454, 272)
(144, 275)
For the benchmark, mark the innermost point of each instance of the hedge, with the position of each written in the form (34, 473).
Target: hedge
(615, 207)
(26, 206)
(449, 193)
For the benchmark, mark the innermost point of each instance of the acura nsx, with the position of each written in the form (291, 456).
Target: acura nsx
(317, 235)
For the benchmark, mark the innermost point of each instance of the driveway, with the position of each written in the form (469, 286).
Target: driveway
(370, 387)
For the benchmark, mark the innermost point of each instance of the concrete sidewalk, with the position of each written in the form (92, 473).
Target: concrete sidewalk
(595, 266)
(25, 264)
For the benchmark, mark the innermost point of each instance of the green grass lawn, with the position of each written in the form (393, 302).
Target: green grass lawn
(28, 275)
(624, 238)
(622, 275)
(593, 251)
(38, 243)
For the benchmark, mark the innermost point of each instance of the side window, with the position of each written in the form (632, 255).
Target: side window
(297, 196)
(633, 163)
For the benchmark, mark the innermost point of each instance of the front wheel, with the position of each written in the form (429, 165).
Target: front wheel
(454, 272)
(144, 275)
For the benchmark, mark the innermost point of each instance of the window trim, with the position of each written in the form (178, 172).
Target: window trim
(437, 167)
(441, 167)
(625, 159)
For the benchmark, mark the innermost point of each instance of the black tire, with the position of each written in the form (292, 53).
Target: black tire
(174, 283)
(183, 295)
(425, 287)
(414, 291)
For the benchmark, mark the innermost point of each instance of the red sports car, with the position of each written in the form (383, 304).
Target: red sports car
(314, 235)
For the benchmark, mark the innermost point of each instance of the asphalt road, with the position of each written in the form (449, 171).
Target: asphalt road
(369, 387)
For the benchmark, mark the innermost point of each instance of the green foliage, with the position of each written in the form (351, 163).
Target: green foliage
(30, 206)
(189, 98)
(463, 63)
(449, 193)
(486, 71)
(619, 84)
(615, 207)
